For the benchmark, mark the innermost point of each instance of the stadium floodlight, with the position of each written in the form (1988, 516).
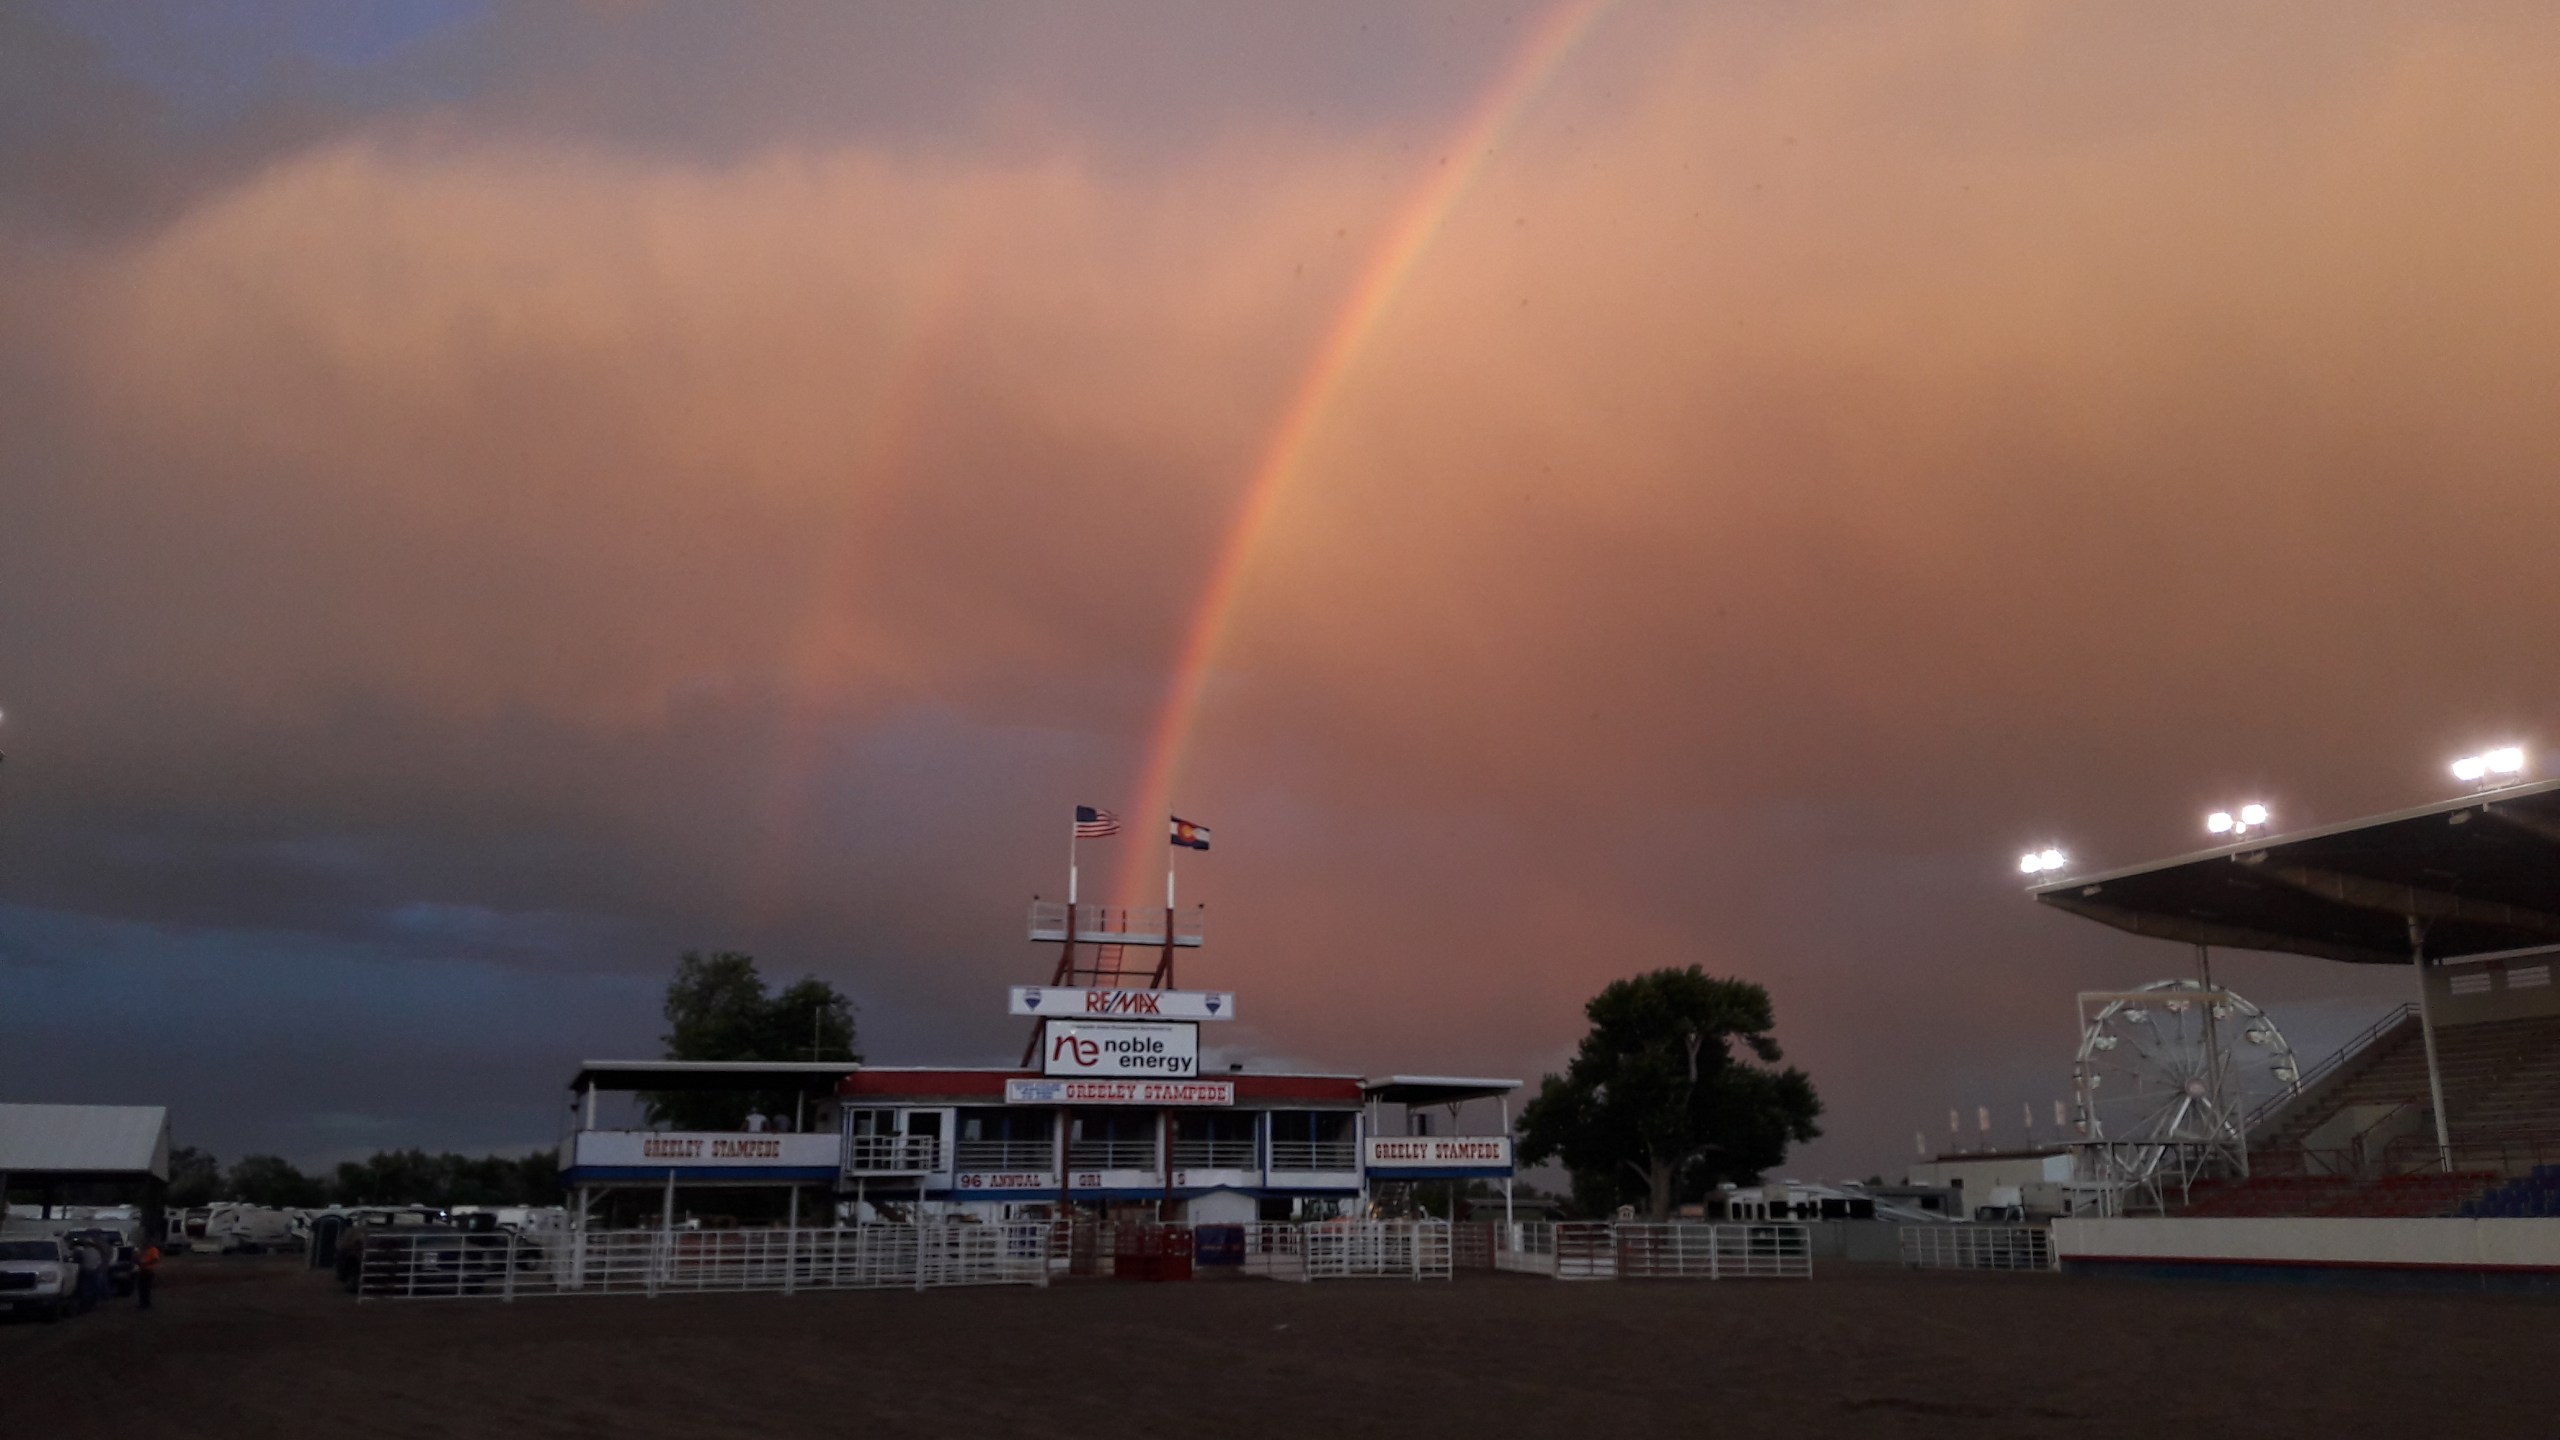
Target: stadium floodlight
(2490, 768)
(2041, 862)
(2252, 816)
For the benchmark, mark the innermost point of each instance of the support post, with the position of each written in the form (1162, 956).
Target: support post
(2427, 1028)
(1515, 1165)
(791, 1241)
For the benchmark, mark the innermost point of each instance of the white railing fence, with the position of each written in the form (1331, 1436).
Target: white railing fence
(1376, 1249)
(893, 1154)
(508, 1266)
(505, 1266)
(1714, 1252)
(1601, 1250)
(1977, 1247)
(1337, 1155)
(1274, 1251)
(1528, 1248)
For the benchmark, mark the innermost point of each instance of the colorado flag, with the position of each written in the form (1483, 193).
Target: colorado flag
(1185, 833)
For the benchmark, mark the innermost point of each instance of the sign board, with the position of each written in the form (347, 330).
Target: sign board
(706, 1150)
(1431, 1157)
(1119, 1047)
(1119, 1092)
(1124, 1004)
(1006, 1180)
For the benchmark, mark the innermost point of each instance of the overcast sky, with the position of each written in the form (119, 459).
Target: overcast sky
(492, 496)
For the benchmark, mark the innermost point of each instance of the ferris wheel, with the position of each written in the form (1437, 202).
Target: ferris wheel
(2166, 1078)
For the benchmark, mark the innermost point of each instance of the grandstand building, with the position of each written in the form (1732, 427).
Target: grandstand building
(2448, 1108)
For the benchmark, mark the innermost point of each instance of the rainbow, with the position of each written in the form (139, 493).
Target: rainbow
(1416, 225)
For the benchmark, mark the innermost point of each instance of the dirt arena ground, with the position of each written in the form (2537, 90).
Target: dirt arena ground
(263, 1349)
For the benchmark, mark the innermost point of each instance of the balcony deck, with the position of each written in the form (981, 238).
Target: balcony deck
(1116, 924)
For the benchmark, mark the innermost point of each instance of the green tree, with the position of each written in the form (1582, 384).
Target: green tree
(717, 1009)
(271, 1180)
(195, 1178)
(414, 1177)
(1672, 1092)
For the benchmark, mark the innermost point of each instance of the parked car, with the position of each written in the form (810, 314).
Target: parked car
(37, 1274)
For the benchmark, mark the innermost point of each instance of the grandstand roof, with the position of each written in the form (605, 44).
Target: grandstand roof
(84, 1142)
(2481, 873)
(1434, 1089)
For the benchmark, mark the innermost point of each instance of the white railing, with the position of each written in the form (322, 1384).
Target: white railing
(1274, 1251)
(1714, 1252)
(892, 1154)
(1339, 1155)
(1040, 1154)
(1376, 1249)
(1599, 1250)
(1113, 1155)
(1115, 924)
(1977, 1247)
(1528, 1248)
(502, 1266)
(1214, 1154)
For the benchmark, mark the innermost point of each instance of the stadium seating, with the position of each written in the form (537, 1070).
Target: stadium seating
(2501, 1085)
(2536, 1196)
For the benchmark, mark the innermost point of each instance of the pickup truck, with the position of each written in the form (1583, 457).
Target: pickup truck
(38, 1274)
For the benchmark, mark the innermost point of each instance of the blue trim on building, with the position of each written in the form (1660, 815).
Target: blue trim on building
(1439, 1172)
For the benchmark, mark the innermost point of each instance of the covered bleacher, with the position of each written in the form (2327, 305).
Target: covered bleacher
(2453, 1094)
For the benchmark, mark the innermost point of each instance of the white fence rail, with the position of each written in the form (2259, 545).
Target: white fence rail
(1977, 1247)
(1275, 1252)
(1527, 1248)
(1601, 1250)
(502, 1266)
(1714, 1252)
(1376, 1249)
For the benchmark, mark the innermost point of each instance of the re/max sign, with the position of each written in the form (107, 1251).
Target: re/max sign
(1059, 1001)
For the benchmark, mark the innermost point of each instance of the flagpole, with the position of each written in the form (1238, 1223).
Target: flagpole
(1164, 970)
(1071, 873)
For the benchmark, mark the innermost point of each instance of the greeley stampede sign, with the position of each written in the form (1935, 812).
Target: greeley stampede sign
(681, 1150)
(1119, 1092)
(1437, 1157)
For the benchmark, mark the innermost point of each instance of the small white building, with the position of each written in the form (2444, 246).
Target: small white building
(1975, 1177)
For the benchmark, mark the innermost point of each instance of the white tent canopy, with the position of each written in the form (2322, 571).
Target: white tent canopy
(84, 1142)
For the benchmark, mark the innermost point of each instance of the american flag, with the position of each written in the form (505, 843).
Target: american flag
(1093, 824)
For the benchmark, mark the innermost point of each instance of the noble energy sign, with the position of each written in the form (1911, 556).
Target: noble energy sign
(1119, 1048)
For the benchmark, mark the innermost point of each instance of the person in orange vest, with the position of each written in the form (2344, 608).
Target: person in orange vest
(148, 1262)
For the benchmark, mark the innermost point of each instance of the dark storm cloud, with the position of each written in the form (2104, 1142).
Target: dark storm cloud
(614, 481)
